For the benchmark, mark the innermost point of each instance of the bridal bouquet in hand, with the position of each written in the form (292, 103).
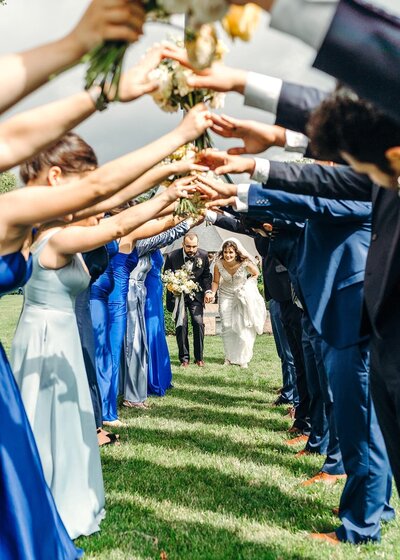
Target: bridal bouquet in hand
(180, 282)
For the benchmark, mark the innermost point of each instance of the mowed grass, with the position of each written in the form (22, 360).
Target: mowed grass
(205, 474)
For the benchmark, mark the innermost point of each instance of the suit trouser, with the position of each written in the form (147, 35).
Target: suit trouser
(365, 498)
(195, 309)
(385, 386)
(323, 436)
(289, 388)
(291, 319)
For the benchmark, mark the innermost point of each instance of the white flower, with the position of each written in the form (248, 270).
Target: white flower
(181, 76)
(199, 262)
(217, 101)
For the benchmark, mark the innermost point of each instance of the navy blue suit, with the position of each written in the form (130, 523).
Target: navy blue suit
(362, 49)
(331, 257)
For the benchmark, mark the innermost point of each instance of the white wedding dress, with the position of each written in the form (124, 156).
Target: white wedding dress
(242, 311)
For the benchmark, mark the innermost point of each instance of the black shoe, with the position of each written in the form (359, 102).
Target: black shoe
(281, 401)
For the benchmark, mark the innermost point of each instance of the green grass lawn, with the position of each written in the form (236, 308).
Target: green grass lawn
(204, 474)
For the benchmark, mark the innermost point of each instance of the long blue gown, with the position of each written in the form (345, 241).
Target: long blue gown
(31, 528)
(99, 309)
(159, 373)
(123, 264)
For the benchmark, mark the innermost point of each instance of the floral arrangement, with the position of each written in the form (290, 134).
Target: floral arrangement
(180, 282)
(174, 92)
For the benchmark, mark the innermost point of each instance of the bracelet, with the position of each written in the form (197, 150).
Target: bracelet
(98, 97)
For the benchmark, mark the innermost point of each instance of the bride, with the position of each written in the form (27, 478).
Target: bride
(241, 306)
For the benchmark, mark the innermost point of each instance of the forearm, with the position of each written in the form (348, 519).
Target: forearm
(24, 135)
(214, 287)
(29, 70)
(118, 174)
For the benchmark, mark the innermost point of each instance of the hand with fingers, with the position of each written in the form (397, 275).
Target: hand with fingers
(217, 192)
(108, 20)
(223, 163)
(257, 137)
(218, 77)
(135, 82)
(195, 123)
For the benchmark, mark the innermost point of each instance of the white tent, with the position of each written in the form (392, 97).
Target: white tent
(211, 238)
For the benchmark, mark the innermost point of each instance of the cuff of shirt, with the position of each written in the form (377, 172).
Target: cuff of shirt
(242, 199)
(211, 216)
(262, 92)
(296, 142)
(261, 170)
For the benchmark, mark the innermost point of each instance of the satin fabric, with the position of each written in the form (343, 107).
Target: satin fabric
(123, 264)
(30, 525)
(49, 368)
(159, 373)
(99, 309)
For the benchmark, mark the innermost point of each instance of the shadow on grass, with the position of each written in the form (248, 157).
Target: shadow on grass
(263, 453)
(220, 398)
(145, 534)
(207, 489)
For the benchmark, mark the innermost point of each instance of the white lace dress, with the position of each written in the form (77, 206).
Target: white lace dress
(242, 311)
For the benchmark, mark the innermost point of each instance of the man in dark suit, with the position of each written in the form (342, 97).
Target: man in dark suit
(197, 261)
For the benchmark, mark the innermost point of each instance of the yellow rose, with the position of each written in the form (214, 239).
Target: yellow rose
(241, 21)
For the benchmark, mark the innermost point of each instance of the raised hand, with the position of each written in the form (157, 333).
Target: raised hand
(218, 77)
(135, 82)
(214, 189)
(181, 188)
(195, 123)
(186, 166)
(256, 136)
(106, 20)
(222, 163)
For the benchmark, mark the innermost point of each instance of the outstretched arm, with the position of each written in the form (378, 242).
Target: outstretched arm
(103, 20)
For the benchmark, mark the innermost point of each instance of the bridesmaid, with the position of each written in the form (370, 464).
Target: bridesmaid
(159, 374)
(48, 365)
(135, 392)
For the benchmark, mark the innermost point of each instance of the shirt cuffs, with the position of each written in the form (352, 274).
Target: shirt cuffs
(262, 92)
(261, 170)
(211, 217)
(296, 142)
(242, 199)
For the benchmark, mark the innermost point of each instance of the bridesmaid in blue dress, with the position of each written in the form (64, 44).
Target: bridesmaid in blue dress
(99, 308)
(159, 375)
(137, 355)
(31, 526)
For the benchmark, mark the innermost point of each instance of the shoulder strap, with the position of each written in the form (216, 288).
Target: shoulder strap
(38, 246)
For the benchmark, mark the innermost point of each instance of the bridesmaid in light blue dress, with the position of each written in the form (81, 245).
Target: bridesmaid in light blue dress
(30, 525)
(49, 368)
(137, 354)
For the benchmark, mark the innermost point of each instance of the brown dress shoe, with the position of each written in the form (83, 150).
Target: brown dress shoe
(324, 477)
(335, 511)
(303, 453)
(294, 430)
(299, 439)
(329, 538)
(200, 363)
(184, 364)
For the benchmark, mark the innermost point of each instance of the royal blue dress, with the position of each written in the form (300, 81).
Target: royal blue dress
(99, 309)
(31, 528)
(123, 264)
(159, 373)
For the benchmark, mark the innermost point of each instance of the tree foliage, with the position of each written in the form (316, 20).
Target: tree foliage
(8, 181)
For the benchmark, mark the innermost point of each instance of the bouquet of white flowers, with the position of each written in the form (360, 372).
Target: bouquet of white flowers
(180, 282)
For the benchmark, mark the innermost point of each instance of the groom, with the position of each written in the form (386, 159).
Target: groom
(197, 260)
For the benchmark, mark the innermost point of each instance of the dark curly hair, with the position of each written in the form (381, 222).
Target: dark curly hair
(71, 154)
(345, 123)
(239, 256)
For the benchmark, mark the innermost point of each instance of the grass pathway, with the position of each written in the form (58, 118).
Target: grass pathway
(205, 475)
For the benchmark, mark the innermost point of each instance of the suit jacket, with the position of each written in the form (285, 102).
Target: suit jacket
(362, 49)
(275, 275)
(331, 257)
(382, 276)
(201, 273)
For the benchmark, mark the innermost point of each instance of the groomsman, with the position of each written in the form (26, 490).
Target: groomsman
(195, 259)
